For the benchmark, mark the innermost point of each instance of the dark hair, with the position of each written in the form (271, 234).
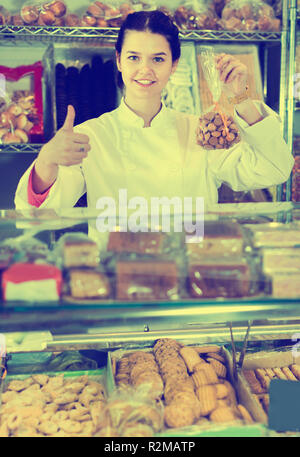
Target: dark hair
(156, 22)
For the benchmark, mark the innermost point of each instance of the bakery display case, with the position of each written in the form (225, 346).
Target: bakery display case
(176, 324)
(144, 334)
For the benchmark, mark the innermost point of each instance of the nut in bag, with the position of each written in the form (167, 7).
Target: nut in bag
(21, 104)
(216, 129)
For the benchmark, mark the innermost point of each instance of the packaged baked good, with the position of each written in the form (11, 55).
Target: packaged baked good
(249, 15)
(21, 104)
(285, 284)
(89, 283)
(280, 260)
(100, 14)
(214, 278)
(132, 412)
(77, 250)
(29, 250)
(5, 16)
(220, 238)
(196, 14)
(49, 13)
(137, 243)
(216, 129)
(275, 235)
(30, 282)
(147, 280)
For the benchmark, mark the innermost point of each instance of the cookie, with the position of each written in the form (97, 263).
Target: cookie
(295, 370)
(219, 367)
(289, 374)
(207, 398)
(246, 416)
(190, 357)
(223, 414)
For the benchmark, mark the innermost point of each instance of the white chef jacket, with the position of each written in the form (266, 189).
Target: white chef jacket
(164, 160)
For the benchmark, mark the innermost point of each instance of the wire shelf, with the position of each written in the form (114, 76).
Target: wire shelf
(20, 148)
(31, 33)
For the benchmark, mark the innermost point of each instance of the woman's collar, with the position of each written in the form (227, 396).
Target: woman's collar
(130, 117)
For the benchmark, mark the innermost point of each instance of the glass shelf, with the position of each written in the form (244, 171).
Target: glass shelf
(78, 34)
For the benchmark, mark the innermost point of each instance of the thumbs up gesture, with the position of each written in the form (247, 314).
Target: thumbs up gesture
(66, 147)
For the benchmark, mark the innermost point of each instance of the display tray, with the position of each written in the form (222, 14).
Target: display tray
(260, 368)
(256, 426)
(62, 404)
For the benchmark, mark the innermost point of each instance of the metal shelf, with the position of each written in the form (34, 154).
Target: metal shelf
(13, 33)
(20, 148)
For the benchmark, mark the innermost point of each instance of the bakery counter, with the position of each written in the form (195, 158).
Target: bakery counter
(61, 272)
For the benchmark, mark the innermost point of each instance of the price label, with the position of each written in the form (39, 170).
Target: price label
(284, 407)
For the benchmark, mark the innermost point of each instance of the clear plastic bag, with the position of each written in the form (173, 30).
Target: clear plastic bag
(196, 14)
(110, 14)
(5, 16)
(249, 15)
(216, 129)
(21, 104)
(48, 13)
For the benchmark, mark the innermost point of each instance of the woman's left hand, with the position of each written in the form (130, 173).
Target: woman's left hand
(233, 74)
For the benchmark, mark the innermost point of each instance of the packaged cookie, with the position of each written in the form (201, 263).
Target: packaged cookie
(196, 14)
(249, 15)
(216, 129)
(49, 13)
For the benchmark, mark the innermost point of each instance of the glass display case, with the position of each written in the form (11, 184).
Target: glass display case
(67, 295)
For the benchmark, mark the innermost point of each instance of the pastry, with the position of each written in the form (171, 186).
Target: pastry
(295, 370)
(279, 373)
(207, 349)
(207, 398)
(219, 278)
(219, 367)
(80, 254)
(220, 239)
(190, 356)
(138, 243)
(178, 415)
(146, 280)
(245, 414)
(289, 374)
(89, 284)
(253, 381)
(262, 377)
(222, 414)
(221, 391)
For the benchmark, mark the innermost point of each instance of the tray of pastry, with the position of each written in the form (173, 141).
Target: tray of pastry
(54, 404)
(193, 385)
(261, 367)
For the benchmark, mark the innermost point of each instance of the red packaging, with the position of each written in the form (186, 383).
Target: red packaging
(21, 114)
(28, 281)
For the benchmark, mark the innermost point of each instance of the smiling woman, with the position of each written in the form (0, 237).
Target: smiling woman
(147, 53)
(149, 150)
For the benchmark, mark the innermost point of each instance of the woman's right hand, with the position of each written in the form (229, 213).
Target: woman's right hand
(66, 147)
